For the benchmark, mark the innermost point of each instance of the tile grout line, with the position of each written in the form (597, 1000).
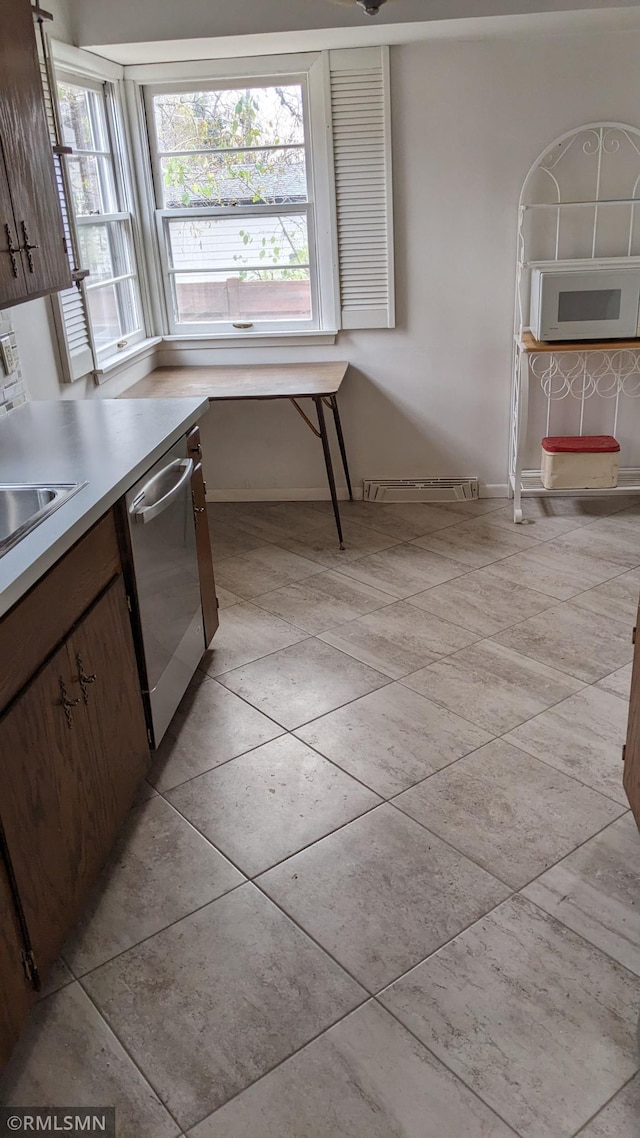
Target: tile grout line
(492, 873)
(577, 1133)
(446, 1066)
(489, 913)
(310, 746)
(80, 977)
(294, 853)
(281, 1062)
(367, 994)
(388, 680)
(137, 1067)
(515, 893)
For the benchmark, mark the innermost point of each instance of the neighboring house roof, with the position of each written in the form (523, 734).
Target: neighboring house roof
(286, 185)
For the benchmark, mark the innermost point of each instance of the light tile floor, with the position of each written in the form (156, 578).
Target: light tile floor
(382, 881)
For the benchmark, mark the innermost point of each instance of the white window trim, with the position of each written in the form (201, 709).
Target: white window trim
(117, 365)
(109, 352)
(94, 71)
(313, 69)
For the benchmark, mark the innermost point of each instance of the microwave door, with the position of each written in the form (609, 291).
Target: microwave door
(589, 306)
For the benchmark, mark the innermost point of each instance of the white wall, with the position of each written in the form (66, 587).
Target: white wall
(63, 12)
(432, 396)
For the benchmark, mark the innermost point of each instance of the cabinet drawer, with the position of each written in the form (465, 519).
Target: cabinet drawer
(42, 618)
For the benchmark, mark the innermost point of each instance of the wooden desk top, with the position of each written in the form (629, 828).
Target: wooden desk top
(259, 381)
(532, 346)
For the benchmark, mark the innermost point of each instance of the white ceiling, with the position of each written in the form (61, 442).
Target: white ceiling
(127, 23)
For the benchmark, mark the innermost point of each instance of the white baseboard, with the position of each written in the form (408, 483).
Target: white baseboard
(494, 490)
(321, 494)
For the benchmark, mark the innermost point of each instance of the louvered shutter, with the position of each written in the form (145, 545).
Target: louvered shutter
(362, 163)
(70, 306)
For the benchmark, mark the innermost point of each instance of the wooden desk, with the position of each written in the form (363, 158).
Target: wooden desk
(319, 382)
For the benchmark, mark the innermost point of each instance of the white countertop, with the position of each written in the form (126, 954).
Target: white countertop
(108, 443)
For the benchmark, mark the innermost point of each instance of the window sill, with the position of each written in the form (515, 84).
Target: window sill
(113, 366)
(254, 340)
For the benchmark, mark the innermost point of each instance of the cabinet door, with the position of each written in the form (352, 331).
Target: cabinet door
(632, 748)
(27, 153)
(16, 993)
(12, 283)
(105, 674)
(203, 543)
(69, 774)
(44, 804)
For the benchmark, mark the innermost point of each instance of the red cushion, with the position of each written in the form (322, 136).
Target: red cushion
(583, 444)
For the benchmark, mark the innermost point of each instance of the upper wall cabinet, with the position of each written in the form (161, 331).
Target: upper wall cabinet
(33, 259)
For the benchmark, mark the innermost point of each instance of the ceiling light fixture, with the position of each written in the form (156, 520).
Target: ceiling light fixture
(371, 7)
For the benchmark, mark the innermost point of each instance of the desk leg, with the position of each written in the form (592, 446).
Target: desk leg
(317, 399)
(333, 403)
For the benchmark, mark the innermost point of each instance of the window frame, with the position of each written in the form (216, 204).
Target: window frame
(122, 216)
(310, 71)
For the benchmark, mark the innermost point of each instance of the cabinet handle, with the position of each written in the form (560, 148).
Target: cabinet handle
(197, 510)
(67, 704)
(28, 246)
(83, 679)
(12, 249)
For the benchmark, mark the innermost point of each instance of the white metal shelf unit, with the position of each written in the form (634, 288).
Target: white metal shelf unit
(578, 202)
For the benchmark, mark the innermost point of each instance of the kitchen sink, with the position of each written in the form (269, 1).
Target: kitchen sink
(24, 506)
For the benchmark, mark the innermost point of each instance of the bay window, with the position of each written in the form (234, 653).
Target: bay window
(262, 193)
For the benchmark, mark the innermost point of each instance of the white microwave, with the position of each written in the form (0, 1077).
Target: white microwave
(571, 300)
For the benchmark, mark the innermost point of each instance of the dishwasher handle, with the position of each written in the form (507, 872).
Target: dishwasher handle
(146, 514)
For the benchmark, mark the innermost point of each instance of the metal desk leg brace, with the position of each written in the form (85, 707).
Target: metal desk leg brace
(321, 432)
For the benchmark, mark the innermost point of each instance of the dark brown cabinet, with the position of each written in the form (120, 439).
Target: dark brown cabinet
(74, 747)
(33, 259)
(16, 993)
(203, 542)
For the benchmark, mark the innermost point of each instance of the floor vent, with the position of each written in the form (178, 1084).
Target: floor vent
(420, 489)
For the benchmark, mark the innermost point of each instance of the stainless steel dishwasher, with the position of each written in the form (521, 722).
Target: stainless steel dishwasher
(161, 524)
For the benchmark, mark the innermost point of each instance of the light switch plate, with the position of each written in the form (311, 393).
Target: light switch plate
(8, 355)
